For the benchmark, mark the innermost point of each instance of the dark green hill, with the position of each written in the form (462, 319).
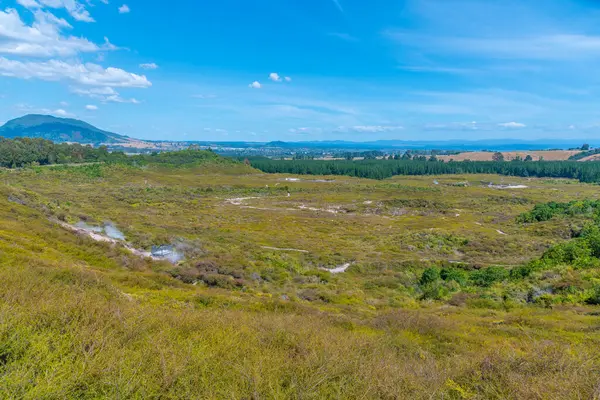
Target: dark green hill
(58, 130)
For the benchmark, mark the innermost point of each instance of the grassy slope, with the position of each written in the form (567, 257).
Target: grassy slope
(80, 319)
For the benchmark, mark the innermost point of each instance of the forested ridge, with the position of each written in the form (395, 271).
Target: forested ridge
(381, 169)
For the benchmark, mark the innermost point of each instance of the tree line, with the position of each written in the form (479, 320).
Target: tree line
(20, 152)
(381, 169)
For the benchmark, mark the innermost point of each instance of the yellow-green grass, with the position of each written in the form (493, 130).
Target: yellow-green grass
(80, 319)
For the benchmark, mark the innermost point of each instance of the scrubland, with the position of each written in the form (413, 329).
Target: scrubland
(451, 292)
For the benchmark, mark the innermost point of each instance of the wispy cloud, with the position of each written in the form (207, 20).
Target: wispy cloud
(343, 36)
(103, 94)
(73, 7)
(305, 131)
(26, 108)
(440, 70)
(204, 96)
(338, 5)
(369, 128)
(513, 125)
(538, 47)
(124, 9)
(149, 66)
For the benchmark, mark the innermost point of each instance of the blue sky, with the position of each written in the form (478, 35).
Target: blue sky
(306, 69)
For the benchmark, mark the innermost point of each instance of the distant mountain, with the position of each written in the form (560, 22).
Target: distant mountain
(59, 130)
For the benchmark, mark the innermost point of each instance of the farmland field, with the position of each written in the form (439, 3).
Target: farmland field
(548, 155)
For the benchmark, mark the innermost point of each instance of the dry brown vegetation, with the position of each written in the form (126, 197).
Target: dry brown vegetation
(594, 157)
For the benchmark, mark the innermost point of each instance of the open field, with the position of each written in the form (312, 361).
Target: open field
(594, 157)
(548, 155)
(252, 311)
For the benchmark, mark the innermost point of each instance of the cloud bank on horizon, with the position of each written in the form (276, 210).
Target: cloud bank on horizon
(310, 70)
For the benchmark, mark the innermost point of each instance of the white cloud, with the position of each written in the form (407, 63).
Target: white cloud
(61, 112)
(513, 125)
(45, 17)
(255, 85)
(26, 108)
(149, 66)
(369, 128)
(287, 79)
(85, 74)
(91, 107)
(73, 7)
(124, 9)
(43, 38)
(101, 91)
(29, 3)
(103, 94)
(274, 77)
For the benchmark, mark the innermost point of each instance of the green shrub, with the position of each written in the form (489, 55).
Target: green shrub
(594, 298)
(430, 275)
(569, 252)
(488, 276)
(434, 291)
(591, 234)
(454, 274)
(521, 272)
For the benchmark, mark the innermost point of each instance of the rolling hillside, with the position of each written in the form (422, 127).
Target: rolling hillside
(59, 130)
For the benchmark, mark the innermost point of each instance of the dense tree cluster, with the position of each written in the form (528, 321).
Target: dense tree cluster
(381, 169)
(177, 158)
(547, 211)
(30, 151)
(367, 155)
(20, 152)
